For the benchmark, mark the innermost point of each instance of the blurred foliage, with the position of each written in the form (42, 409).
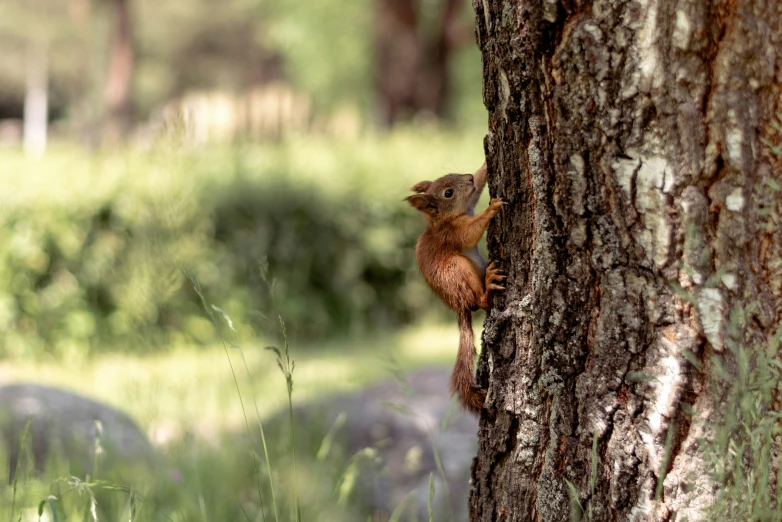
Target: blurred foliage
(327, 46)
(97, 247)
(324, 48)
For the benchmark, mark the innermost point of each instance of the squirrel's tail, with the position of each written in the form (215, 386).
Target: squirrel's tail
(471, 396)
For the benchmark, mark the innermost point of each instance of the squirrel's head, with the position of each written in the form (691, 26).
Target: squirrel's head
(449, 196)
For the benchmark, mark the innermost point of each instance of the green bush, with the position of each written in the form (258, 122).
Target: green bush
(97, 248)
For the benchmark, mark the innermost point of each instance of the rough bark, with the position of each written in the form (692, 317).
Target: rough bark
(626, 137)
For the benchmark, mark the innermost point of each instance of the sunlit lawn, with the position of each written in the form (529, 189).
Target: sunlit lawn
(194, 386)
(187, 401)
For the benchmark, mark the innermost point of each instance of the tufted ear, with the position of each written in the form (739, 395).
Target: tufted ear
(423, 203)
(421, 186)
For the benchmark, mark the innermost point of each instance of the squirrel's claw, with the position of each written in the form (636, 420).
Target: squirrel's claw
(496, 204)
(494, 274)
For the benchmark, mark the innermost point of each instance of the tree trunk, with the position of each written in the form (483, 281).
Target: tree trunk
(631, 141)
(398, 53)
(88, 105)
(118, 94)
(413, 56)
(433, 86)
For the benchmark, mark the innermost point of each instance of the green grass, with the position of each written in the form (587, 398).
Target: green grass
(187, 401)
(192, 386)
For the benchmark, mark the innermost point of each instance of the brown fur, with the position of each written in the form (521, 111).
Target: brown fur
(448, 257)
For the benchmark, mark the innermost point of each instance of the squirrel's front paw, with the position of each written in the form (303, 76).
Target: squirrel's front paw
(495, 205)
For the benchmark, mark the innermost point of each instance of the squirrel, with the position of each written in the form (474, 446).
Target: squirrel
(448, 257)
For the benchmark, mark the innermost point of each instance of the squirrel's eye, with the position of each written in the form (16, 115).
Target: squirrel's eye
(449, 193)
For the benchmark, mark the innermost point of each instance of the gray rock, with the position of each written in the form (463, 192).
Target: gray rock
(67, 426)
(404, 422)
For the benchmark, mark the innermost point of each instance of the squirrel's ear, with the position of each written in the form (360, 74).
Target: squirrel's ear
(421, 186)
(422, 203)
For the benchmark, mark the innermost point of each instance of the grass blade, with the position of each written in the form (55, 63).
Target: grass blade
(576, 509)
(430, 498)
(210, 314)
(593, 476)
(19, 458)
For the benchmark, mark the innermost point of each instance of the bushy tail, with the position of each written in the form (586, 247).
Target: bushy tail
(471, 396)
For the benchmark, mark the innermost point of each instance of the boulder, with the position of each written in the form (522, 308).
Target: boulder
(63, 425)
(403, 422)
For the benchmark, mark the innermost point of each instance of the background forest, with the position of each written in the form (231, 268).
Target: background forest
(187, 182)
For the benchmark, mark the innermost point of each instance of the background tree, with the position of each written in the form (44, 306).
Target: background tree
(113, 64)
(118, 94)
(414, 46)
(36, 38)
(633, 143)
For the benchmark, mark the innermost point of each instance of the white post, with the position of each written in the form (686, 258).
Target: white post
(36, 103)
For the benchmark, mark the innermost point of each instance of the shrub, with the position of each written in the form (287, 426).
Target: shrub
(97, 247)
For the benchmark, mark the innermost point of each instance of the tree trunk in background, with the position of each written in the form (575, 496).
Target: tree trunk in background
(87, 106)
(433, 86)
(413, 56)
(397, 49)
(117, 94)
(627, 138)
(36, 98)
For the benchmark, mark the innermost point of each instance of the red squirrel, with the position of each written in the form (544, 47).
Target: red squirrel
(448, 257)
